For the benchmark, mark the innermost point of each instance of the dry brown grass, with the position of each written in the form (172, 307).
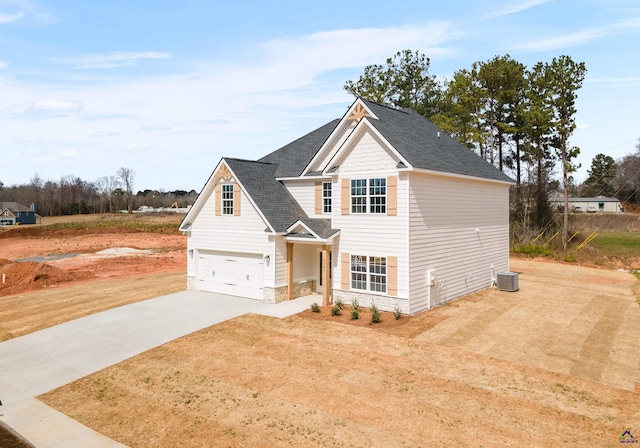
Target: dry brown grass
(552, 365)
(31, 311)
(257, 381)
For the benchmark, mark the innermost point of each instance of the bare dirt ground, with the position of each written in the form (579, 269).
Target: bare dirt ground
(81, 271)
(554, 364)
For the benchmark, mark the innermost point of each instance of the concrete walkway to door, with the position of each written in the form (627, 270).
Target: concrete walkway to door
(45, 360)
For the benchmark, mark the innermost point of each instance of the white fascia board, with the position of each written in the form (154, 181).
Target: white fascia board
(201, 199)
(303, 225)
(208, 190)
(302, 178)
(293, 239)
(362, 125)
(460, 176)
(338, 128)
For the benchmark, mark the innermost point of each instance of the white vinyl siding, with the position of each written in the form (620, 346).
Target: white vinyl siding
(368, 154)
(460, 229)
(303, 192)
(248, 220)
(375, 234)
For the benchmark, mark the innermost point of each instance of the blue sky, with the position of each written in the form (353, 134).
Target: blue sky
(168, 87)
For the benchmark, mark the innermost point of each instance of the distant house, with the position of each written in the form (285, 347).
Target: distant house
(20, 214)
(7, 218)
(380, 206)
(589, 205)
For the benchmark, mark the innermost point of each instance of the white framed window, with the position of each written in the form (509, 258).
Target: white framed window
(227, 199)
(378, 195)
(358, 195)
(326, 197)
(369, 195)
(369, 273)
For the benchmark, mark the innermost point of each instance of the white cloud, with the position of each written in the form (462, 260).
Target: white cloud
(56, 106)
(8, 18)
(514, 7)
(327, 50)
(156, 127)
(57, 156)
(101, 134)
(580, 37)
(112, 59)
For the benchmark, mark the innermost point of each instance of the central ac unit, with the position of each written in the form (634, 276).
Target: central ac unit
(508, 281)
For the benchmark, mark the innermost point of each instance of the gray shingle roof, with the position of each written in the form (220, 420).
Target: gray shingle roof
(273, 199)
(294, 157)
(14, 207)
(321, 227)
(417, 140)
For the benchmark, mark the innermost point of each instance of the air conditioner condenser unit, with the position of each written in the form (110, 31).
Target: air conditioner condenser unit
(507, 281)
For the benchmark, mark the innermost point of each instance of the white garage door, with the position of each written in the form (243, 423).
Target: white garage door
(231, 273)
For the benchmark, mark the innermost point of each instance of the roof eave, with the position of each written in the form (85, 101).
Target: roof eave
(459, 176)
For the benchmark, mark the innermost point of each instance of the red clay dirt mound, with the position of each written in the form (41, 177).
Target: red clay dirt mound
(29, 275)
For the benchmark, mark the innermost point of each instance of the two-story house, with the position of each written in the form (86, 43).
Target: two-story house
(380, 206)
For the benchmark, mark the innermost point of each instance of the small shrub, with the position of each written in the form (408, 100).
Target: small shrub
(396, 311)
(375, 314)
(335, 310)
(355, 314)
(533, 250)
(355, 305)
(339, 304)
(570, 258)
(315, 307)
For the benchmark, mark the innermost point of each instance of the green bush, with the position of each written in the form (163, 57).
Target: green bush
(570, 258)
(336, 311)
(396, 311)
(355, 314)
(532, 250)
(315, 307)
(355, 305)
(375, 314)
(339, 304)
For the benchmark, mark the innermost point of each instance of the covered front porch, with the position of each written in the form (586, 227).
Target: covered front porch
(309, 258)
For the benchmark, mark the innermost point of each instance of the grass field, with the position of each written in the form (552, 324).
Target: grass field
(623, 245)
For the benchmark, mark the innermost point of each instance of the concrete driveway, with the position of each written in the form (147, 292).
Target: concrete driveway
(45, 360)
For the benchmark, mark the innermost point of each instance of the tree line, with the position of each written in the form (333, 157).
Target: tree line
(519, 119)
(71, 195)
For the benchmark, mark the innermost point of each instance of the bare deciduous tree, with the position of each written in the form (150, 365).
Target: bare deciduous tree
(127, 176)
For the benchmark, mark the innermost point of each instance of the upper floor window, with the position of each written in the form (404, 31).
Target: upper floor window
(369, 195)
(227, 199)
(326, 197)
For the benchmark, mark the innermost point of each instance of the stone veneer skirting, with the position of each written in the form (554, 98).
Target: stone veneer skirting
(279, 294)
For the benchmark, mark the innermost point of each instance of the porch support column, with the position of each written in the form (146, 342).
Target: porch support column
(326, 282)
(289, 271)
